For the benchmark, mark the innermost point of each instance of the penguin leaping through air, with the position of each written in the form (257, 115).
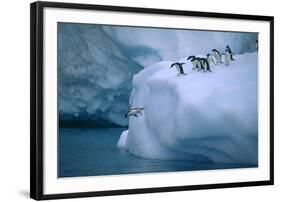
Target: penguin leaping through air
(179, 68)
(134, 112)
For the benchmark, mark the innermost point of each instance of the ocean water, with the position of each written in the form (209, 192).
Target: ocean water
(93, 152)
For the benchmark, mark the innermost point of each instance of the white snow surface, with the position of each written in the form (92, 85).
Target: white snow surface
(209, 117)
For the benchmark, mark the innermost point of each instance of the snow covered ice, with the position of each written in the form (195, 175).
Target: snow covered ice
(208, 117)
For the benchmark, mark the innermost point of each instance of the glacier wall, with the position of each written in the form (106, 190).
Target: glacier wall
(96, 63)
(95, 75)
(208, 117)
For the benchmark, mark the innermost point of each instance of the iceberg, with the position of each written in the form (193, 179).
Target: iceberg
(96, 64)
(206, 117)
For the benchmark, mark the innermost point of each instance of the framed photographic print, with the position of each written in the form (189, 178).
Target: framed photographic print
(135, 100)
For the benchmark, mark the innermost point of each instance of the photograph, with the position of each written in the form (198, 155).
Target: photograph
(131, 100)
(137, 99)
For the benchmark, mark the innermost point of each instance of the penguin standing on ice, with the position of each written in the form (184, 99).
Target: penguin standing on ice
(179, 68)
(210, 59)
(217, 56)
(196, 63)
(227, 57)
(230, 52)
(257, 45)
(205, 64)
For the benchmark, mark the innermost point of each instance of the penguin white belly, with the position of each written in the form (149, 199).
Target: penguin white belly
(227, 58)
(210, 60)
(194, 64)
(198, 64)
(217, 58)
(178, 69)
(205, 66)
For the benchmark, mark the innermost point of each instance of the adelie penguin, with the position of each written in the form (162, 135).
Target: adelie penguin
(257, 45)
(199, 63)
(195, 63)
(205, 64)
(134, 112)
(230, 52)
(227, 57)
(217, 56)
(179, 68)
(210, 59)
(192, 60)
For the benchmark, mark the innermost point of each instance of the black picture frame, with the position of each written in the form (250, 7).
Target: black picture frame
(37, 99)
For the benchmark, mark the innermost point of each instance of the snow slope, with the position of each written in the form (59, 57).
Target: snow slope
(210, 117)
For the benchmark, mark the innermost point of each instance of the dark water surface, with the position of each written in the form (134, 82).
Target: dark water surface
(92, 152)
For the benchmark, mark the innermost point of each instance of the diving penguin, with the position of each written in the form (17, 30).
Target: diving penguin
(134, 112)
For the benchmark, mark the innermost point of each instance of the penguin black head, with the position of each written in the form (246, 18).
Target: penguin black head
(174, 64)
(191, 57)
(208, 55)
(214, 50)
(177, 63)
